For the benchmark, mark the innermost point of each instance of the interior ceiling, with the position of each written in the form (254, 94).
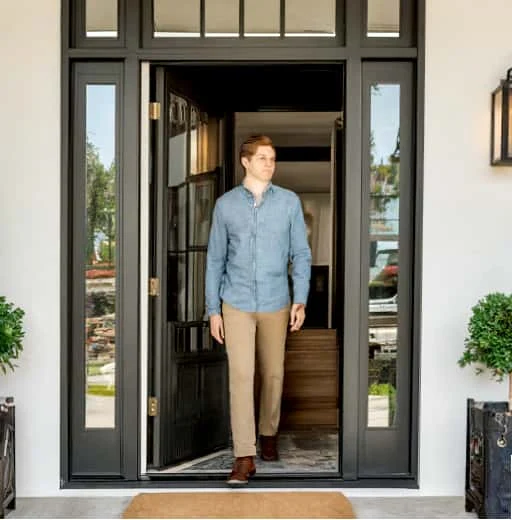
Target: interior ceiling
(304, 177)
(302, 123)
(293, 129)
(260, 87)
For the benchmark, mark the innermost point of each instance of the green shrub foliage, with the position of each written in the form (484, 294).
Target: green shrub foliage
(489, 338)
(11, 334)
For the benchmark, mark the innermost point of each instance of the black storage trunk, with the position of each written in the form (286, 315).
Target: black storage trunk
(488, 463)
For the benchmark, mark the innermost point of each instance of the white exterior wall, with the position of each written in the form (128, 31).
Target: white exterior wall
(467, 245)
(467, 214)
(30, 229)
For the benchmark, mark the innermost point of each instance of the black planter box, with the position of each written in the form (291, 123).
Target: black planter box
(488, 452)
(7, 474)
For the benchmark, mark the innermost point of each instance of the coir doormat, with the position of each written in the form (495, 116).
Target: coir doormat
(240, 504)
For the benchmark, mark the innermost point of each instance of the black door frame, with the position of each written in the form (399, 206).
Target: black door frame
(338, 233)
(130, 52)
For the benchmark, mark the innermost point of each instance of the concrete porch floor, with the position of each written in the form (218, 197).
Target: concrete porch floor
(365, 507)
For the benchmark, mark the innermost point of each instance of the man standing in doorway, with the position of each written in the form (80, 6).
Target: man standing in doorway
(257, 232)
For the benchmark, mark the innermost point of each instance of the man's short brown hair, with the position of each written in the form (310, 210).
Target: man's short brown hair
(250, 145)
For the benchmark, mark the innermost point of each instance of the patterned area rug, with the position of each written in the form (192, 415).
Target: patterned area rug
(300, 452)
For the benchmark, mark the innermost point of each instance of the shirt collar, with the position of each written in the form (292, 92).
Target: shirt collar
(248, 193)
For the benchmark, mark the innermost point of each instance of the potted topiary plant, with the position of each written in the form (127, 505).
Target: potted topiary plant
(11, 334)
(488, 346)
(11, 345)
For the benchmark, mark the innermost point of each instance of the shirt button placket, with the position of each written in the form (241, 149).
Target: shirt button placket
(255, 231)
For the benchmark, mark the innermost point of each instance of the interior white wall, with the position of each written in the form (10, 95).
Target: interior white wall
(318, 206)
(467, 245)
(30, 229)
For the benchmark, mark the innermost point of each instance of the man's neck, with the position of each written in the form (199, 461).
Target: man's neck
(255, 186)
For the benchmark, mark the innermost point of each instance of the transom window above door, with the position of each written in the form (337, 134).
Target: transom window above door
(383, 19)
(243, 18)
(243, 23)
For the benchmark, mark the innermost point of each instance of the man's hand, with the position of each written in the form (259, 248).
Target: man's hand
(217, 328)
(297, 316)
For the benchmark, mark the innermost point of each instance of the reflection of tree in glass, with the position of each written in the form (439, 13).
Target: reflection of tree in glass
(100, 200)
(384, 178)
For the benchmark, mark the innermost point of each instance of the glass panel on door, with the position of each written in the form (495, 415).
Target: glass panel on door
(195, 123)
(201, 202)
(384, 247)
(196, 280)
(178, 128)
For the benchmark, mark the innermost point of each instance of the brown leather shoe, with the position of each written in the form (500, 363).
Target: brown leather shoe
(243, 468)
(268, 445)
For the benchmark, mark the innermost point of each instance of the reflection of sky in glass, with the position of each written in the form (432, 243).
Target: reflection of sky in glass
(101, 120)
(385, 120)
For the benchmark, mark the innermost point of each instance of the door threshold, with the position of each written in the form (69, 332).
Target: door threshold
(276, 482)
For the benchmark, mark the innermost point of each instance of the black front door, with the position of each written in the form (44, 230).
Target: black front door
(188, 405)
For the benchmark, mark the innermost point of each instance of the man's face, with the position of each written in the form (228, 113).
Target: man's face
(262, 164)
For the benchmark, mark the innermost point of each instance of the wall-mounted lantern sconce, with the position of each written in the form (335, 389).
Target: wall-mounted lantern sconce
(501, 124)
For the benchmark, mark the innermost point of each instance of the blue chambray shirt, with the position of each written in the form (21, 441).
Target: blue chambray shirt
(250, 248)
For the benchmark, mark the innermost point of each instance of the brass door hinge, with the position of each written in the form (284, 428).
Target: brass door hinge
(153, 406)
(154, 111)
(154, 287)
(340, 121)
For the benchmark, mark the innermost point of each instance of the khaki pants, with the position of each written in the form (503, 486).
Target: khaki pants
(247, 335)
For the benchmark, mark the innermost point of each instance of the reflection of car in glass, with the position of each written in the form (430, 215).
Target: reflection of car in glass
(383, 285)
(385, 305)
(109, 373)
(382, 341)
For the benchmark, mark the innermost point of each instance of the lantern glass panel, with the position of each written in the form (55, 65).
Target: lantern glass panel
(509, 125)
(497, 113)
